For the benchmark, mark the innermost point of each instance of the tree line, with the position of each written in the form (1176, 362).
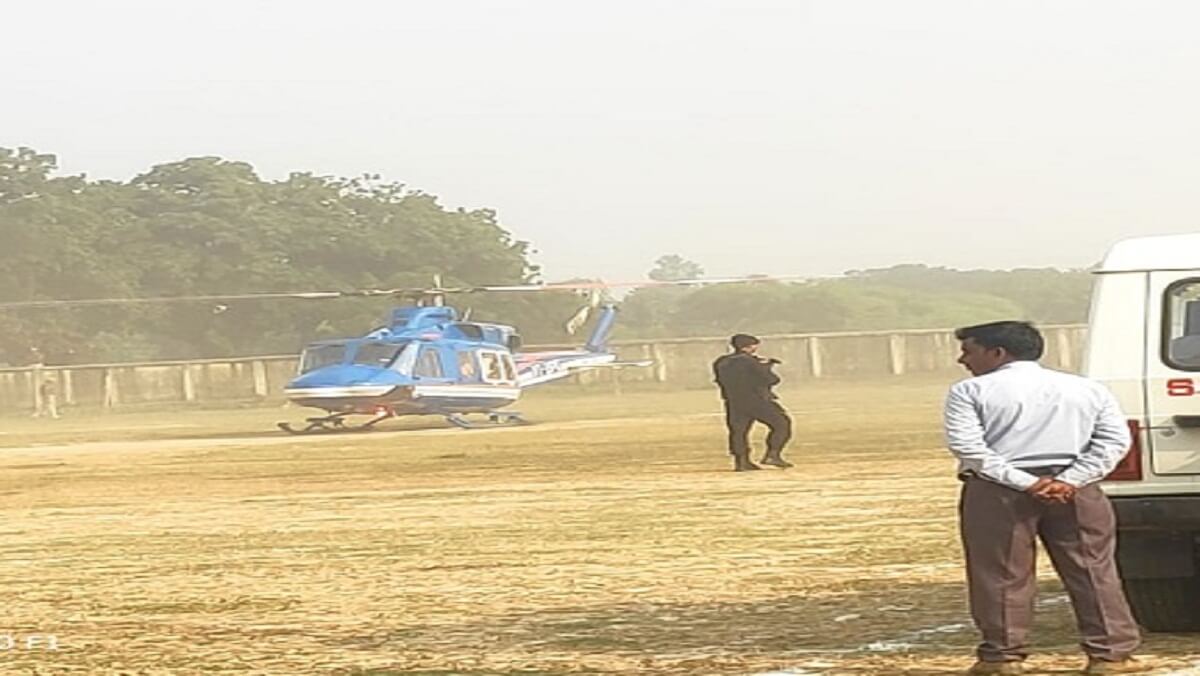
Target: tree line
(899, 297)
(209, 226)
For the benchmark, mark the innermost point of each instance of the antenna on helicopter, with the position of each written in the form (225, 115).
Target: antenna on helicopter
(437, 295)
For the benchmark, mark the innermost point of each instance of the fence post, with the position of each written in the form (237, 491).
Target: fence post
(896, 353)
(110, 397)
(68, 387)
(660, 363)
(37, 376)
(945, 351)
(814, 356)
(259, 370)
(1063, 341)
(189, 384)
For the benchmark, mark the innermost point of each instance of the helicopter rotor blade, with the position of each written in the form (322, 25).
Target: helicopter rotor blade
(436, 292)
(591, 285)
(220, 298)
(215, 298)
(704, 281)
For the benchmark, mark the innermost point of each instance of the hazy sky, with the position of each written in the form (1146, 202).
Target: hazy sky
(752, 137)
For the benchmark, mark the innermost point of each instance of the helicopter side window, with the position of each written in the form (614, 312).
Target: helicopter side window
(510, 369)
(406, 360)
(470, 331)
(429, 365)
(466, 366)
(376, 354)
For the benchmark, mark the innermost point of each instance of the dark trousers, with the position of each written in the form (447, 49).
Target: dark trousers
(1000, 527)
(741, 416)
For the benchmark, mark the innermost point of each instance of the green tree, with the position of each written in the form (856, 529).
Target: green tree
(207, 225)
(673, 267)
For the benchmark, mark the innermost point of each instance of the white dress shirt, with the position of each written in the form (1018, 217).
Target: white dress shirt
(1023, 416)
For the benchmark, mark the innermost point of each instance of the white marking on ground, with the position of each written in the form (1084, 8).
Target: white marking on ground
(914, 638)
(911, 639)
(801, 669)
(1056, 600)
(1193, 670)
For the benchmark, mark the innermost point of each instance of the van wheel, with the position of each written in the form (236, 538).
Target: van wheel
(1168, 604)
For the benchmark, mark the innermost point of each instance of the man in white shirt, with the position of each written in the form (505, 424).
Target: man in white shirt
(1031, 445)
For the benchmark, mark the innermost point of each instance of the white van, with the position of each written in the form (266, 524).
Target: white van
(1144, 344)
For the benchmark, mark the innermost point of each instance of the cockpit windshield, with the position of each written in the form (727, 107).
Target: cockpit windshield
(377, 354)
(321, 355)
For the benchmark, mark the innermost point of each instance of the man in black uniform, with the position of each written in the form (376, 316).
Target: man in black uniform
(746, 380)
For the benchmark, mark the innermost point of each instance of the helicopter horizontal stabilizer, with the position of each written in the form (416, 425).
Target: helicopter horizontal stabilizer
(535, 368)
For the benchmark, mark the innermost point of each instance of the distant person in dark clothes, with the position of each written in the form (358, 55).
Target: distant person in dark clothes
(746, 380)
(47, 399)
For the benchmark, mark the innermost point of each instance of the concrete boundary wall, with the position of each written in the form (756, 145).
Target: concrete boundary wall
(679, 362)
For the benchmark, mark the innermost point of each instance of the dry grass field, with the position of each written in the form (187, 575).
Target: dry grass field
(609, 539)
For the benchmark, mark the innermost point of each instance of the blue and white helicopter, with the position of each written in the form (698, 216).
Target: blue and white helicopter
(429, 360)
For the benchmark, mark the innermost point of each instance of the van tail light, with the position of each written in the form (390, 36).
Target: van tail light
(1130, 467)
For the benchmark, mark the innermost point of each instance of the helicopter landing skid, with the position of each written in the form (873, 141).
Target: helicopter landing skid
(334, 423)
(494, 419)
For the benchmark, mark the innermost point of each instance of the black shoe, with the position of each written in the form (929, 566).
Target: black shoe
(776, 461)
(743, 464)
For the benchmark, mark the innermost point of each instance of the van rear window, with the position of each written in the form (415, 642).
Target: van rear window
(1181, 325)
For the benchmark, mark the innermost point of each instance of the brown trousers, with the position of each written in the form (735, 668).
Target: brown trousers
(999, 530)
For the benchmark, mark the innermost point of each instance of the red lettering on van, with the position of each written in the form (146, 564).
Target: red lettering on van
(1180, 387)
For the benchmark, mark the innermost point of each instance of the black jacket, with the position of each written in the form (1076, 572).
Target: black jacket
(744, 378)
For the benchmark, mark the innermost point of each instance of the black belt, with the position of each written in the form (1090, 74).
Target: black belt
(1053, 470)
(1050, 471)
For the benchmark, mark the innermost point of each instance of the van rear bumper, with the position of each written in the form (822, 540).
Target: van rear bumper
(1168, 512)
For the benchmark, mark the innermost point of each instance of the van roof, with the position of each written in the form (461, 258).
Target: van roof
(1165, 252)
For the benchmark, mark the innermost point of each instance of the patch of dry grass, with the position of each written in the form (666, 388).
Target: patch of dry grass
(611, 539)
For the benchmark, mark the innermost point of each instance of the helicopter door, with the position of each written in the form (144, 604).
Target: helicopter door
(468, 367)
(429, 365)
